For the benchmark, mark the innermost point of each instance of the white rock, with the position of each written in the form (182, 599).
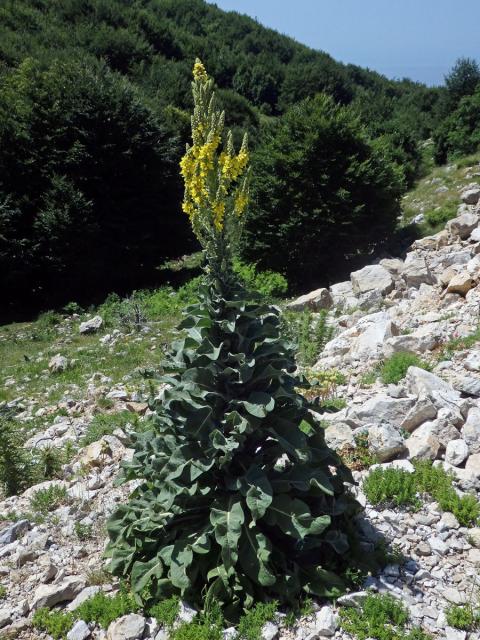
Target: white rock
(13, 532)
(471, 430)
(58, 364)
(129, 627)
(385, 441)
(471, 195)
(422, 444)
(417, 271)
(462, 226)
(383, 408)
(454, 634)
(370, 278)
(5, 618)
(467, 385)
(339, 435)
(461, 283)
(343, 296)
(326, 622)
(422, 411)
(438, 545)
(84, 594)
(79, 631)
(472, 361)
(269, 631)
(473, 465)
(315, 300)
(373, 329)
(48, 595)
(91, 326)
(456, 452)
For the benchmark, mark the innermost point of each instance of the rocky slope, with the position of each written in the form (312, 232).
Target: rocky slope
(427, 304)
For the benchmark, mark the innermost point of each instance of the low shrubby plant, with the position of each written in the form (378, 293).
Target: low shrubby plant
(166, 611)
(269, 284)
(395, 368)
(56, 623)
(464, 617)
(459, 344)
(381, 617)
(103, 609)
(104, 424)
(44, 501)
(308, 333)
(251, 624)
(399, 487)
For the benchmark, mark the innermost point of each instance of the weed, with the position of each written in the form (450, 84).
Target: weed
(368, 378)
(459, 344)
(395, 368)
(250, 625)
(292, 616)
(268, 283)
(83, 531)
(360, 456)
(462, 617)
(3, 591)
(56, 623)
(97, 577)
(15, 463)
(391, 486)
(104, 424)
(104, 609)
(166, 612)
(197, 631)
(382, 617)
(44, 501)
(308, 333)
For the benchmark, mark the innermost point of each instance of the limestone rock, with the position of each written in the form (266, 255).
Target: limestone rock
(370, 278)
(421, 411)
(467, 385)
(473, 465)
(343, 296)
(12, 533)
(326, 622)
(48, 595)
(58, 364)
(315, 301)
(471, 430)
(423, 444)
(96, 454)
(79, 631)
(129, 627)
(385, 441)
(456, 452)
(339, 435)
(417, 271)
(462, 226)
(471, 195)
(269, 631)
(382, 408)
(461, 283)
(472, 361)
(91, 326)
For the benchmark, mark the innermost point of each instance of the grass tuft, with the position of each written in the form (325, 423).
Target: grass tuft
(395, 368)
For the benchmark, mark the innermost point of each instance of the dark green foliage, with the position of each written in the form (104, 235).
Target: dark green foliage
(103, 609)
(15, 466)
(324, 194)
(381, 617)
(440, 216)
(166, 611)
(268, 283)
(56, 623)
(395, 486)
(251, 624)
(395, 368)
(93, 100)
(462, 80)
(308, 334)
(246, 502)
(45, 500)
(459, 132)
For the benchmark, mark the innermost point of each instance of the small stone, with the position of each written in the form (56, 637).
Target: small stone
(137, 407)
(385, 441)
(474, 536)
(129, 627)
(58, 364)
(355, 599)
(423, 549)
(269, 631)
(454, 634)
(447, 521)
(326, 622)
(456, 452)
(454, 596)
(472, 361)
(79, 631)
(315, 301)
(12, 533)
(438, 545)
(5, 618)
(186, 613)
(372, 277)
(461, 283)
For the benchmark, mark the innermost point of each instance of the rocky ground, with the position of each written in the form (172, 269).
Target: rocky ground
(426, 304)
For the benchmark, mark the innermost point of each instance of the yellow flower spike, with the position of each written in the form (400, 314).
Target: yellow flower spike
(199, 71)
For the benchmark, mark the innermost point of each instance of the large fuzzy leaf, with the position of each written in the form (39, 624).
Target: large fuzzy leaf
(227, 520)
(294, 518)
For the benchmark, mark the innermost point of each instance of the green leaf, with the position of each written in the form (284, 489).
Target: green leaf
(227, 523)
(294, 518)
(259, 404)
(144, 572)
(255, 550)
(181, 559)
(259, 492)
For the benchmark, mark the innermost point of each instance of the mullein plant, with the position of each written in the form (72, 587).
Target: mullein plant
(238, 499)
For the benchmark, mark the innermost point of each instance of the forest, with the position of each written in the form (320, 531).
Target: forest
(95, 103)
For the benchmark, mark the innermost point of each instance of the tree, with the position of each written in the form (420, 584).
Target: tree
(323, 193)
(459, 133)
(462, 80)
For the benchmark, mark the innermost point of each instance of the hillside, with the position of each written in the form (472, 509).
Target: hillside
(395, 379)
(94, 102)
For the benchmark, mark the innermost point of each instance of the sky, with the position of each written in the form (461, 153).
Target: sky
(418, 39)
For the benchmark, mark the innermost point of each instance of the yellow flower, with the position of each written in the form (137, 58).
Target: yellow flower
(241, 202)
(199, 71)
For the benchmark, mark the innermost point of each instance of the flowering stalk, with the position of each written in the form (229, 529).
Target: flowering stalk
(216, 178)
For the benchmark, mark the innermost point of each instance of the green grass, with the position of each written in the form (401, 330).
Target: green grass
(104, 609)
(398, 487)
(166, 612)
(250, 625)
(459, 344)
(3, 591)
(395, 368)
(381, 617)
(104, 424)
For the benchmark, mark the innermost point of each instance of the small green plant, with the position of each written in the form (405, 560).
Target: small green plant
(3, 591)
(308, 333)
(250, 625)
(83, 531)
(381, 617)
(395, 486)
(56, 623)
(437, 218)
(305, 609)
(463, 617)
(197, 631)
(15, 462)
(459, 344)
(104, 609)
(44, 501)
(166, 611)
(104, 424)
(97, 577)
(395, 368)
(368, 378)
(268, 283)
(360, 456)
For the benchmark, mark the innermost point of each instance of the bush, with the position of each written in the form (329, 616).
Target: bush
(15, 462)
(166, 611)
(268, 283)
(103, 609)
(395, 368)
(308, 333)
(391, 486)
(56, 623)
(440, 216)
(459, 133)
(462, 617)
(323, 194)
(45, 500)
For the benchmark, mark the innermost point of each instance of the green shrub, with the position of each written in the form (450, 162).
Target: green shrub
(308, 334)
(251, 624)
(3, 591)
(440, 216)
(103, 609)
(395, 368)
(197, 631)
(391, 486)
(382, 617)
(268, 283)
(15, 461)
(462, 617)
(166, 611)
(56, 623)
(45, 500)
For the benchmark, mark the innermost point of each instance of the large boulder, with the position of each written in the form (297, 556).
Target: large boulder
(315, 301)
(343, 296)
(91, 326)
(372, 330)
(471, 430)
(424, 383)
(462, 226)
(385, 441)
(456, 452)
(129, 627)
(372, 277)
(48, 595)
(471, 194)
(461, 283)
(423, 444)
(416, 271)
(384, 409)
(422, 411)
